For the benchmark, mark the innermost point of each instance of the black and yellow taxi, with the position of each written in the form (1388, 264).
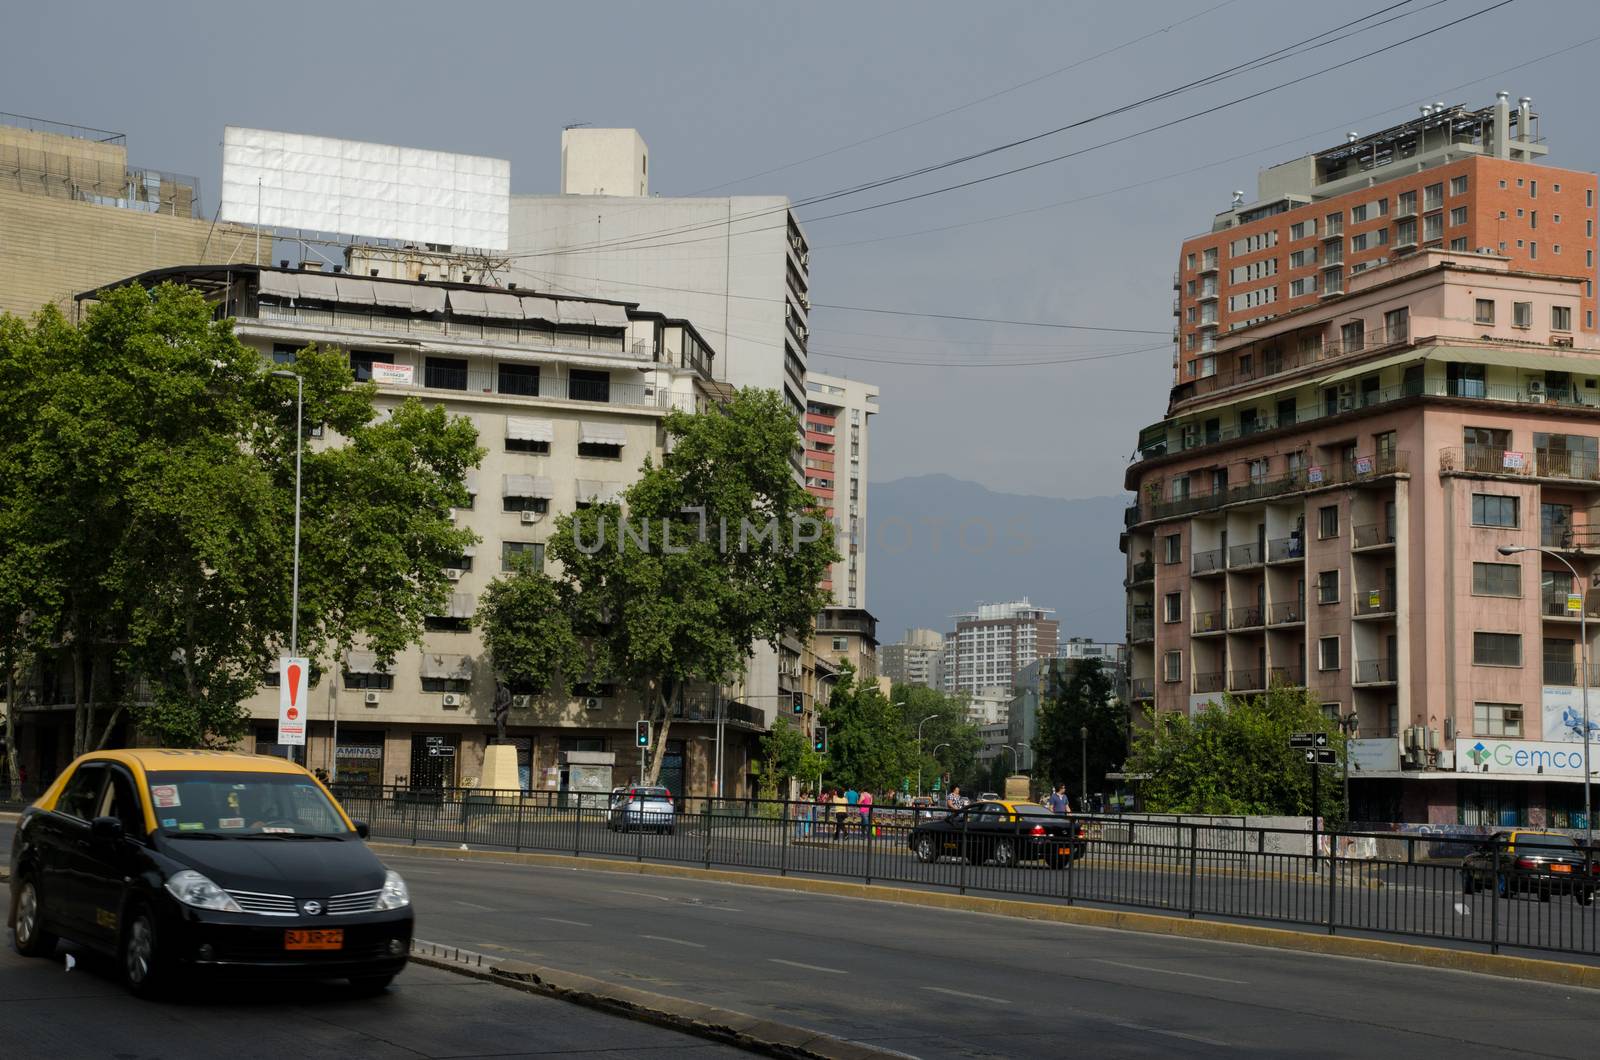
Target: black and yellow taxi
(1003, 831)
(1525, 861)
(216, 862)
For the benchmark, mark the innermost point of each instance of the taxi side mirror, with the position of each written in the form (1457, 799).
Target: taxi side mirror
(362, 829)
(106, 828)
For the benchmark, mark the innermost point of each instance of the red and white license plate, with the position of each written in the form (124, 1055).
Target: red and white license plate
(313, 939)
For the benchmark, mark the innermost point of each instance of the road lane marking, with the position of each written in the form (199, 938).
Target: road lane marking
(1171, 1034)
(559, 920)
(808, 967)
(640, 894)
(968, 996)
(1169, 971)
(475, 905)
(675, 942)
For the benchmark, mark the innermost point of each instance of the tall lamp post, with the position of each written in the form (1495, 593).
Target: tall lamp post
(294, 591)
(1083, 744)
(1583, 661)
(920, 724)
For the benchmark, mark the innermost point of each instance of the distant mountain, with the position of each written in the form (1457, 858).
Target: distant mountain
(939, 545)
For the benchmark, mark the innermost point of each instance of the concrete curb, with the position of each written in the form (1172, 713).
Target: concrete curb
(690, 1017)
(1526, 968)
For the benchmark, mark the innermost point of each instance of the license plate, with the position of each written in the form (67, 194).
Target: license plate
(314, 939)
(1560, 868)
(1063, 850)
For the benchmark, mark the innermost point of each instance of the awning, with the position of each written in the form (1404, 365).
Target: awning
(361, 662)
(460, 606)
(1368, 367)
(528, 486)
(609, 316)
(397, 295)
(576, 312)
(498, 304)
(316, 285)
(593, 490)
(1530, 360)
(447, 667)
(279, 284)
(545, 309)
(592, 433)
(525, 430)
(470, 303)
(355, 290)
(427, 299)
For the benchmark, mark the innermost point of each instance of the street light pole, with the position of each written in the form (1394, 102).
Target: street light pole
(1083, 743)
(294, 591)
(1583, 661)
(920, 724)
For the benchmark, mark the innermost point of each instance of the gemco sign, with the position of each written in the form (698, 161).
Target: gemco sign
(1521, 757)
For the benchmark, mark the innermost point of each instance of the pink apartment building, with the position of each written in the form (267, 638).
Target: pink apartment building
(1325, 510)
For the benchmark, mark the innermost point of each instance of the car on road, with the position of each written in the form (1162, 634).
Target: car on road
(1003, 831)
(178, 862)
(647, 809)
(1531, 862)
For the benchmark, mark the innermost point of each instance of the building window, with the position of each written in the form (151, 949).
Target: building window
(585, 385)
(841, 643)
(284, 353)
(1174, 549)
(1497, 649)
(1533, 251)
(515, 553)
(1353, 335)
(1497, 579)
(1406, 203)
(445, 373)
(527, 445)
(369, 682)
(1432, 227)
(1497, 719)
(1484, 312)
(1334, 223)
(1172, 667)
(1328, 521)
(1301, 258)
(446, 684)
(1173, 611)
(1328, 653)
(1189, 264)
(1303, 229)
(1489, 509)
(519, 379)
(525, 504)
(603, 451)
(1328, 587)
(1522, 314)
(1433, 196)
(1458, 185)
(1560, 318)
(1459, 244)
(446, 624)
(1405, 232)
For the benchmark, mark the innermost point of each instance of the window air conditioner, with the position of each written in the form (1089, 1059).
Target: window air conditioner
(532, 517)
(452, 574)
(591, 703)
(1346, 402)
(451, 699)
(371, 699)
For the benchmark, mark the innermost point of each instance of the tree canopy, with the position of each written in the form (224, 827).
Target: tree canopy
(1084, 700)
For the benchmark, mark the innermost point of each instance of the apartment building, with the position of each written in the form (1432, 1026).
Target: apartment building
(837, 427)
(74, 215)
(914, 660)
(568, 397)
(992, 643)
(1452, 179)
(848, 635)
(1327, 509)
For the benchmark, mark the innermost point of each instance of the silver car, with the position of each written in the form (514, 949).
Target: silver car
(643, 808)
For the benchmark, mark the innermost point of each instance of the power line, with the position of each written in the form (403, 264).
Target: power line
(1166, 346)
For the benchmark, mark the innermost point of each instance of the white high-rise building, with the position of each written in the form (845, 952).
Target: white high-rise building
(838, 416)
(991, 644)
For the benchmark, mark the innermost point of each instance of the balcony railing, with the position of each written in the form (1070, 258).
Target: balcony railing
(1208, 622)
(1554, 605)
(1209, 682)
(1375, 602)
(1207, 562)
(1285, 549)
(1375, 672)
(1244, 555)
(1245, 617)
(1287, 614)
(1372, 535)
(1566, 673)
(1246, 681)
(1142, 629)
(1361, 469)
(1142, 688)
(1293, 676)
(1142, 571)
(1485, 460)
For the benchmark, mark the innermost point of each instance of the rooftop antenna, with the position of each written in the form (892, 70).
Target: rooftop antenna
(577, 125)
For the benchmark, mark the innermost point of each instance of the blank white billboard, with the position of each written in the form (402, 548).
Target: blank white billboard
(323, 184)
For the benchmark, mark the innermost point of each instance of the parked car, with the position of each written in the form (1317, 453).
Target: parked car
(1004, 832)
(645, 808)
(205, 861)
(1527, 862)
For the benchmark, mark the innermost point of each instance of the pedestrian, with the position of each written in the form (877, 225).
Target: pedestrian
(1058, 800)
(954, 799)
(841, 813)
(864, 804)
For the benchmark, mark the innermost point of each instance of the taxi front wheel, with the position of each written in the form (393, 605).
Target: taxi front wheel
(142, 967)
(32, 940)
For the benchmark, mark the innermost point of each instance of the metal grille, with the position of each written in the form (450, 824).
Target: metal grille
(357, 902)
(265, 904)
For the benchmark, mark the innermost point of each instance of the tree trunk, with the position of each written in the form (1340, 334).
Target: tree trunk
(663, 723)
(110, 724)
(79, 736)
(88, 709)
(10, 663)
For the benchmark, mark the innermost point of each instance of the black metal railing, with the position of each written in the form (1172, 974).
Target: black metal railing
(1245, 617)
(1244, 555)
(1246, 681)
(1142, 688)
(1371, 535)
(1207, 562)
(1285, 549)
(1293, 676)
(1142, 629)
(1375, 671)
(1567, 673)
(1462, 886)
(1375, 602)
(1288, 613)
(1142, 571)
(1209, 682)
(1208, 622)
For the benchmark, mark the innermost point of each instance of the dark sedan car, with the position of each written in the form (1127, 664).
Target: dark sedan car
(1006, 833)
(1542, 863)
(205, 861)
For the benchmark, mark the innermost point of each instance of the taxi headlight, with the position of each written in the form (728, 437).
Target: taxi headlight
(394, 894)
(191, 888)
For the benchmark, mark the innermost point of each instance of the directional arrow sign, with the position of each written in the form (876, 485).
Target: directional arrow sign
(1310, 756)
(1321, 740)
(1326, 757)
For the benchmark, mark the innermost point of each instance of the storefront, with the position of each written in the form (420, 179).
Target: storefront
(433, 760)
(358, 760)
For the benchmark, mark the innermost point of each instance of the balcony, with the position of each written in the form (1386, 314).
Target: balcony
(1373, 536)
(1554, 605)
(1375, 603)
(1375, 672)
(1484, 460)
(1208, 266)
(1286, 550)
(1292, 676)
(1209, 562)
(1240, 556)
(1142, 630)
(1566, 673)
(1246, 681)
(1356, 472)
(1211, 682)
(1289, 614)
(1143, 571)
(1142, 688)
(1205, 623)
(1245, 618)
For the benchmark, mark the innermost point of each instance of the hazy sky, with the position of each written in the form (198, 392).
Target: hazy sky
(722, 91)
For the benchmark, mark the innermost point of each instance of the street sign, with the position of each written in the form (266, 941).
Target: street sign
(1308, 739)
(1574, 602)
(293, 677)
(1320, 756)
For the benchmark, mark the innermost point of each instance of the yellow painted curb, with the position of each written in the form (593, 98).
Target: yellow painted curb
(1560, 973)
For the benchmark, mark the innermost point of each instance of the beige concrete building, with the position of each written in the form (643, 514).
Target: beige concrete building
(74, 214)
(915, 659)
(838, 423)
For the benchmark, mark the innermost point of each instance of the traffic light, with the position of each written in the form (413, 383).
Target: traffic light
(819, 742)
(799, 703)
(641, 733)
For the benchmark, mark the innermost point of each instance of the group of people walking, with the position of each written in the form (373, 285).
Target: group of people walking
(847, 809)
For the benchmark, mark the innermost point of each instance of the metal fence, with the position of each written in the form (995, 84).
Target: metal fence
(1343, 881)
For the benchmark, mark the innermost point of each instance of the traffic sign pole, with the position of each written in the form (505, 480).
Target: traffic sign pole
(1316, 811)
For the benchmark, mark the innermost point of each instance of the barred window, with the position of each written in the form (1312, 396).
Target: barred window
(1497, 649)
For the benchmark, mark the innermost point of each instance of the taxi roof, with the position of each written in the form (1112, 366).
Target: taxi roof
(176, 760)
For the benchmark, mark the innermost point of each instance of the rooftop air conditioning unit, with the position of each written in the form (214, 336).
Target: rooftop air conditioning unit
(451, 699)
(452, 574)
(371, 699)
(591, 703)
(532, 517)
(1445, 760)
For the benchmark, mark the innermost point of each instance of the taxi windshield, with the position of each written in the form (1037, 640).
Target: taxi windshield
(207, 803)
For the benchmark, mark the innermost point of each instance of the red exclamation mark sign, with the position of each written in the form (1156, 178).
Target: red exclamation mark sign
(294, 691)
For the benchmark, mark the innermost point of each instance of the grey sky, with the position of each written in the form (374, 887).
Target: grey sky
(723, 90)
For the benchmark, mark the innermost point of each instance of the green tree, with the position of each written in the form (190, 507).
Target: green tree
(950, 742)
(1235, 758)
(868, 745)
(720, 549)
(527, 633)
(786, 753)
(1084, 700)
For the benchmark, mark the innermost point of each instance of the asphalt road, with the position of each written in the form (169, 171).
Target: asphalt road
(935, 983)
